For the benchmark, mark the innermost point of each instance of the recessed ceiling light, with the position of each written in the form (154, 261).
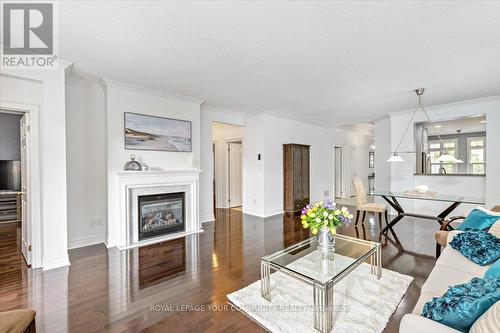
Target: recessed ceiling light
(483, 121)
(438, 126)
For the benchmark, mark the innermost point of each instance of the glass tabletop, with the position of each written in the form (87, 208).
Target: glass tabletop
(304, 260)
(433, 196)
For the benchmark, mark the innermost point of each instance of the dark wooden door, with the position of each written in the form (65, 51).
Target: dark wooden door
(295, 177)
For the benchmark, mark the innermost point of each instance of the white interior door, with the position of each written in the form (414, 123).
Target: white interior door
(25, 214)
(235, 174)
(338, 172)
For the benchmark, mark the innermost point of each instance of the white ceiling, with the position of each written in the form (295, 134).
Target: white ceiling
(330, 63)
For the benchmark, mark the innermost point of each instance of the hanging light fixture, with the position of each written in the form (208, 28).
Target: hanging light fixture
(395, 158)
(446, 157)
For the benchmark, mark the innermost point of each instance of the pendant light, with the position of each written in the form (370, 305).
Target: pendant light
(446, 157)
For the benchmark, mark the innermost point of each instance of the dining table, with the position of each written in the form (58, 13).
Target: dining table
(391, 197)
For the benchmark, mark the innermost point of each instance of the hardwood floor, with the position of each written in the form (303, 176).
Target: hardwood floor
(160, 287)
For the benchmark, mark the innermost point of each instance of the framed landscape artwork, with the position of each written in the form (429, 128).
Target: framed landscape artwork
(143, 132)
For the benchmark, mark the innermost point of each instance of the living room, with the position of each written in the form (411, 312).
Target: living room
(261, 162)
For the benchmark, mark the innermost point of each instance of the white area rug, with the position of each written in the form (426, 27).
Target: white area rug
(361, 302)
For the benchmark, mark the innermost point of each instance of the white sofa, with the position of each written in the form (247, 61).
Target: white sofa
(451, 268)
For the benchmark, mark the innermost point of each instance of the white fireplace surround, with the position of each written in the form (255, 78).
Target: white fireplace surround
(123, 230)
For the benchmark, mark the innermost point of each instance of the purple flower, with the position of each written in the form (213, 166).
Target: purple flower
(329, 204)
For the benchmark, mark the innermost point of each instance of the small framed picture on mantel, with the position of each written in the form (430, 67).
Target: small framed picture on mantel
(145, 132)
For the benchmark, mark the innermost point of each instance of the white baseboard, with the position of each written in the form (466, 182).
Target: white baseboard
(207, 218)
(274, 212)
(85, 241)
(253, 213)
(267, 214)
(51, 263)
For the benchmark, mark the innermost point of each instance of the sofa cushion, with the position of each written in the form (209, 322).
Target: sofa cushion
(463, 304)
(418, 324)
(443, 276)
(425, 296)
(489, 321)
(452, 258)
(16, 321)
(493, 271)
(495, 229)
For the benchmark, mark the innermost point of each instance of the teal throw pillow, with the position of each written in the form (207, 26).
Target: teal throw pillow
(479, 218)
(478, 246)
(463, 304)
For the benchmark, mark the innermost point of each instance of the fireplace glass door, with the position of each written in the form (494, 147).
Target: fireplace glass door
(161, 214)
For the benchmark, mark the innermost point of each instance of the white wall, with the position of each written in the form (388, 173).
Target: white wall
(253, 168)
(402, 174)
(355, 148)
(493, 154)
(382, 153)
(45, 89)
(121, 98)
(86, 163)
(209, 115)
(266, 134)
(222, 134)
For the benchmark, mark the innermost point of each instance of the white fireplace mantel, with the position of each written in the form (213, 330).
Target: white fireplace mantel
(122, 202)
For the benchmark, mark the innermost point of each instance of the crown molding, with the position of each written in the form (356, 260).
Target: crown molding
(450, 105)
(86, 84)
(150, 91)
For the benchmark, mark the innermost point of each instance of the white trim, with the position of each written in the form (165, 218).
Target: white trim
(85, 241)
(214, 109)
(252, 213)
(51, 263)
(269, 214)
(85, 84)
(150, 91)
(157, 173)
(207, 218)
(34, 180)
(273, 212)
(122, 231)
(446, 105)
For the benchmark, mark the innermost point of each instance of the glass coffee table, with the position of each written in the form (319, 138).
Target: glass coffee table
(304, 262)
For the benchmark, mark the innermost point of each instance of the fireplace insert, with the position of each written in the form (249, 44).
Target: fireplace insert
(161, 214)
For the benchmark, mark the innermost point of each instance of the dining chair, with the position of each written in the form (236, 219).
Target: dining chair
(18, 321)
(363, 206)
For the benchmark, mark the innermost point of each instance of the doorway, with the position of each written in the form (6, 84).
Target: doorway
(15, 145)
(338, 171)
(228, 166)
(235, 173)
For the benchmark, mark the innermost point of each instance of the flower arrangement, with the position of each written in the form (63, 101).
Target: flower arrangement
(324, 214)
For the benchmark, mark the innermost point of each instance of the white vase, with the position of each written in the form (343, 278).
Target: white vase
(326, 243)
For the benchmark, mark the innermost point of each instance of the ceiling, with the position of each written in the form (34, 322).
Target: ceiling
(330, 63)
